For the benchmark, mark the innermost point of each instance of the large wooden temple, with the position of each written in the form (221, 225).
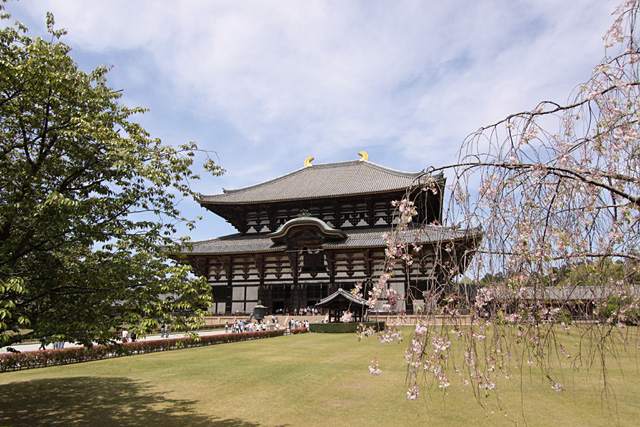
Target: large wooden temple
(320, 228)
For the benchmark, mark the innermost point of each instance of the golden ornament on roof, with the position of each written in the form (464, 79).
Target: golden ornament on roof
(365, 156)
(307, 162)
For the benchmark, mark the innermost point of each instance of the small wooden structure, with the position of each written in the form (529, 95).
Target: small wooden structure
(339, 302)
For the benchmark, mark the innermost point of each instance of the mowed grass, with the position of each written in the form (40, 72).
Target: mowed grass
(302, 380)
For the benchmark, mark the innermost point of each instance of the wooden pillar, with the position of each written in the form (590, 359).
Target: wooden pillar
(295, 272)
(240, 221)
(228, 268)
(408, 295)
(273, 220)
(371, 213)
(304, 300)
(388, 217)
(337, 215)
(331, 268)
(350, 264)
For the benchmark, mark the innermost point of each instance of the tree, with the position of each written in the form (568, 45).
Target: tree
(88, 203)
(555, 188)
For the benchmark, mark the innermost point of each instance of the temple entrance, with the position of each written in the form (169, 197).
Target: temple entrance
(278, 307)
(315, 293)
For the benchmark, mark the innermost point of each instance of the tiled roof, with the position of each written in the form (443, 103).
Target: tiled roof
(322, 180)
(341, 293)
(366, 238)
(573, 293)
(235, 243)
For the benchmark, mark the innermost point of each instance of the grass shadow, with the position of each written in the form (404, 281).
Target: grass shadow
(96, 401)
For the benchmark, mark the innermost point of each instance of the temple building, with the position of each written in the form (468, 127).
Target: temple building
(308, 233)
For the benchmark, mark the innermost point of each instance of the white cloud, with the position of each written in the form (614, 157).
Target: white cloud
(268, 83)
(344, 72)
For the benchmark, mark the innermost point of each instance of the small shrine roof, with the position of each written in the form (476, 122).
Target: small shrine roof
(365, 238)
(340, 298)
(321, 180)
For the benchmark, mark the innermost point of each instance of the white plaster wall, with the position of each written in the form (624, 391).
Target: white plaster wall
(238, 293)
(252, 293)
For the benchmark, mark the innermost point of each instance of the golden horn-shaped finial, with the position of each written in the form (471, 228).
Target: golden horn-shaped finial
(365, 156)
(307, 162)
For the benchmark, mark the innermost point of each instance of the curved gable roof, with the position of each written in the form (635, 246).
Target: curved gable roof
(322, 180)
(341, 298)
(323, 228)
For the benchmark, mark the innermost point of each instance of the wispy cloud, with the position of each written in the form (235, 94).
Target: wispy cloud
(268, 83)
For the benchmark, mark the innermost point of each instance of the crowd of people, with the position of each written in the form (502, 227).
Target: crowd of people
(126, 337)
(274, 323)
(296, 324)
(309, 311)
(235, 327)
(240, 326)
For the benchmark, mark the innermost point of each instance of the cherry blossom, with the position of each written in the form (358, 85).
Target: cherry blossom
(556, 191)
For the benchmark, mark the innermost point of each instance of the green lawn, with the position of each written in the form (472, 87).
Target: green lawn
(303, 380)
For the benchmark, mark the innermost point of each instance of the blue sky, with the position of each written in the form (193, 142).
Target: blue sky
(266, 84)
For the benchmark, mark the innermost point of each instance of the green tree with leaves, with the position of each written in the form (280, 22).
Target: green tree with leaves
(87, 203)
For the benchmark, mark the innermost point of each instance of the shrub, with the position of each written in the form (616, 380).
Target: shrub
(62, 356)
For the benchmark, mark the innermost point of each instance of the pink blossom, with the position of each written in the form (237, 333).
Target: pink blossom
(421, 330)
(374, 368)
(347, 317)
(413, 392)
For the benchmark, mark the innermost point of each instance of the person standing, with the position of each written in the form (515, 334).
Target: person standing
(162, 329)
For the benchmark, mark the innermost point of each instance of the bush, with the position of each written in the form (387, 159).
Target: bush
(619, 310)
(62, 356)
(338, 328)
